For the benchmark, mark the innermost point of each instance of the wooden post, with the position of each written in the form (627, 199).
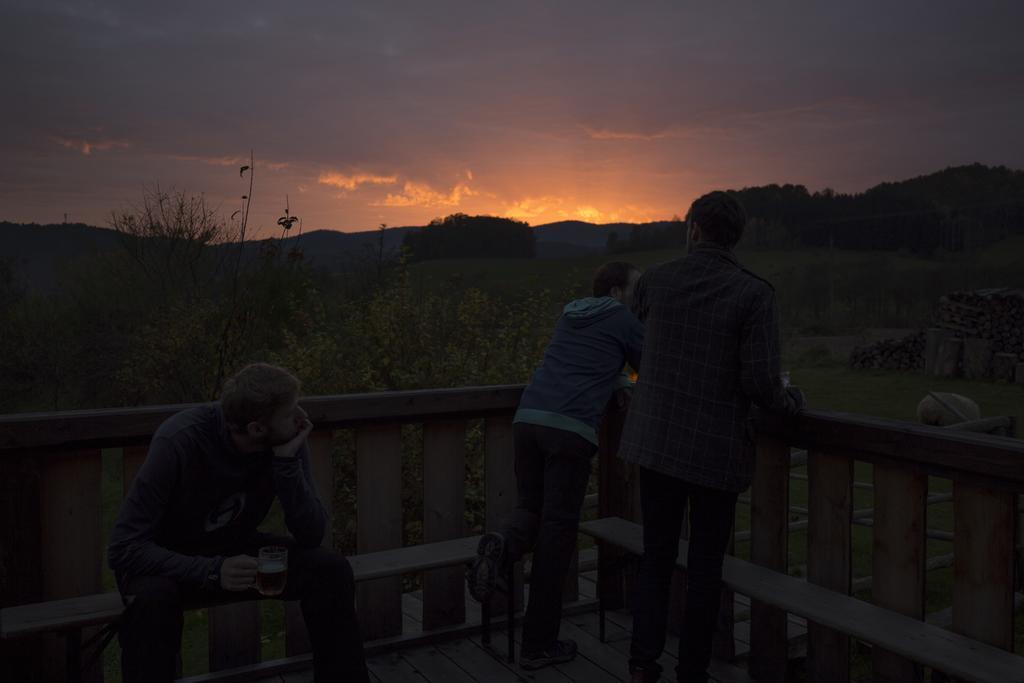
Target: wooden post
(830, 510)
(769, 547)
(320, 449)
(20, 559)
(618, 496)
(500, 492)
(444, 505)
(72, 556)
(1003, 366)
(379, 513)
(898, 558)
(947, 364)
(983, 532)
(131, 462)
(977, 358)
(933, 341)
(234, 638)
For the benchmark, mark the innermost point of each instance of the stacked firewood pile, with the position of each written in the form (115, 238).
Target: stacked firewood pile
(891, 354)
(996, 315)
(977, 335)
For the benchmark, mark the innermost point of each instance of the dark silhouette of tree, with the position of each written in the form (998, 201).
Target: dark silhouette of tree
(461, 236)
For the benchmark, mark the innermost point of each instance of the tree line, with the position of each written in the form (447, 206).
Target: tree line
(953, 210)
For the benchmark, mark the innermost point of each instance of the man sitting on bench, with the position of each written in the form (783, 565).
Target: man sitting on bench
(187, 531)
(555, 438)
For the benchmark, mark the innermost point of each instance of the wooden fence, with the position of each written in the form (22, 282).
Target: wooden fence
(50, 548)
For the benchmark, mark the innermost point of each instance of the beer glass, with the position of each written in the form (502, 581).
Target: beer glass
(272, 570)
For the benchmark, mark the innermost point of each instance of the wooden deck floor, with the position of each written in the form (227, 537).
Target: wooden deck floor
(468, 660)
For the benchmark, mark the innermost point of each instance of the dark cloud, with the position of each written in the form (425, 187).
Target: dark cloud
(598, 105)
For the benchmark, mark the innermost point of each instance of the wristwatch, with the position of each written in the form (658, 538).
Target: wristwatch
(212, 580)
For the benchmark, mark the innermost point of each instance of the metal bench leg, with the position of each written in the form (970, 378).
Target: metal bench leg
(511, 613)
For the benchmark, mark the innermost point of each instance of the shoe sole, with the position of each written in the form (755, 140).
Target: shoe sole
(531, 664)
(482, 576)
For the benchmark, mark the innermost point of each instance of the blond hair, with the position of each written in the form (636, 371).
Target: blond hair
(256, 393)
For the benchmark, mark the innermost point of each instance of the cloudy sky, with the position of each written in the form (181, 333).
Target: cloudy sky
(399, 112)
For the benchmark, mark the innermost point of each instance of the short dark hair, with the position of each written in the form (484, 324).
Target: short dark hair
(256, 393)
(613, 274)
(721, 218)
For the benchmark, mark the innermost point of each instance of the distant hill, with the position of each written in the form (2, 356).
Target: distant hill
(36, 252)
(956, 208)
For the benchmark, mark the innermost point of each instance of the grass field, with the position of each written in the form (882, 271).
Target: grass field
(818, 291)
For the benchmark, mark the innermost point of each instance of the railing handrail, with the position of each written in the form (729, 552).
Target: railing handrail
(72, 429)
(938, 451)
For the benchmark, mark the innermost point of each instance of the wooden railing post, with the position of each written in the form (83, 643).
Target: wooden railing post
(444, 506)
(320, 449)
(500, 492)
(769, 547)
(21, 558)
(379, 513)
(131, 462)
(830, 510)
(234, 635)
(69, 504)
(898, 558)
(618, 496)
(983, 552)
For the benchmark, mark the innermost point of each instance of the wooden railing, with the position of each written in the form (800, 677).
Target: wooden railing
(50, 469)
(987, 473)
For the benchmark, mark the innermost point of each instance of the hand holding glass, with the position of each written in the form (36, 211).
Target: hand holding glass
(272, 570)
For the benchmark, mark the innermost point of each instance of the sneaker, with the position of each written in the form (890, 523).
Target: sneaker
(645, 675)
(561, 652)
(484, 573)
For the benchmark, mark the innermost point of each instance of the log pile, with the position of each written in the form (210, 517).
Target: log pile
(977, 335)
(995, 315)
(905, 354)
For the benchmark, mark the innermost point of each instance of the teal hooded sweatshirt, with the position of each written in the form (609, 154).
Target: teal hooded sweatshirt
(594, 339)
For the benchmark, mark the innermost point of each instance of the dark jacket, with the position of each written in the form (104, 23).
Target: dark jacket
(196, 498)
(711, 349)
(594, 338)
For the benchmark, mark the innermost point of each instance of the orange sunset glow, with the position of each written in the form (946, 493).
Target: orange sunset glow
(402, 114)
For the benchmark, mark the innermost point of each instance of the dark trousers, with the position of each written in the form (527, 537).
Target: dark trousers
(552, 470)
(663, 501)
(150, 632)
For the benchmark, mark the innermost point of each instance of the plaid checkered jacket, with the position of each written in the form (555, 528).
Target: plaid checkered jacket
(711, 349)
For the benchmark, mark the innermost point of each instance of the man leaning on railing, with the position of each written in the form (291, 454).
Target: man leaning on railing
(712, 349)
(187, 531)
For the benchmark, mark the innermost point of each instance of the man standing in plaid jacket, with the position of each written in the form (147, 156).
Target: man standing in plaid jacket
(710, 351)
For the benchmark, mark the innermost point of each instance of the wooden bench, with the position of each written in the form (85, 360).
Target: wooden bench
(68, 617)
(915, 640)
